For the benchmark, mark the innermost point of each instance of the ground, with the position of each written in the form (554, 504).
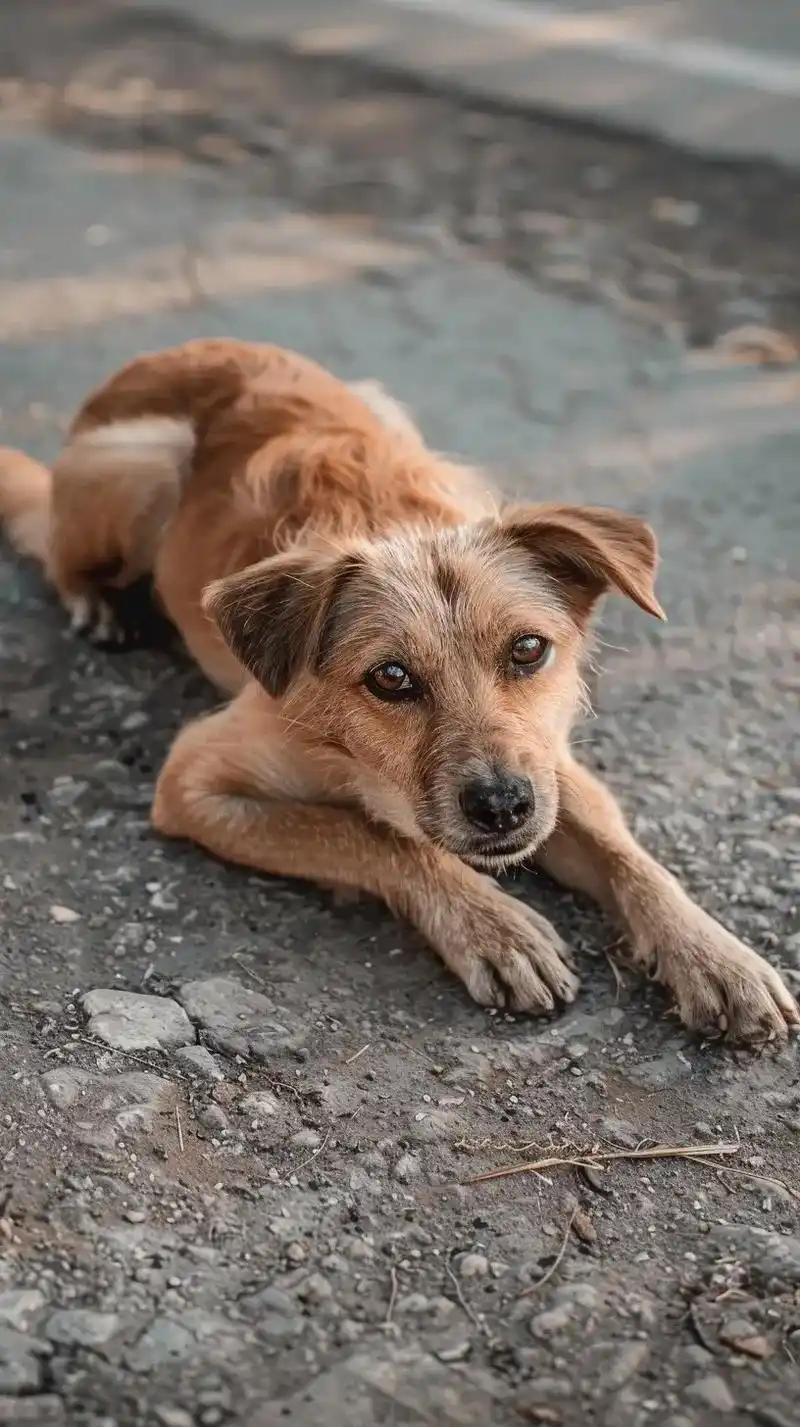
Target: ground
(258, 1210)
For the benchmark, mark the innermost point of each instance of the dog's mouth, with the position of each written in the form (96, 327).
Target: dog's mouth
(494, 856)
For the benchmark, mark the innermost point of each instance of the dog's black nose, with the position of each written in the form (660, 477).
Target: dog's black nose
(498, 804)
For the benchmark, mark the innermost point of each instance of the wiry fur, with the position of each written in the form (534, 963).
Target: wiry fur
(300, 533)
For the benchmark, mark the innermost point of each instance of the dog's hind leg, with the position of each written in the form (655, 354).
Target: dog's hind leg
(115, 488)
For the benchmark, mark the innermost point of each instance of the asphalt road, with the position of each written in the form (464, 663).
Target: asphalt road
(278, 1230)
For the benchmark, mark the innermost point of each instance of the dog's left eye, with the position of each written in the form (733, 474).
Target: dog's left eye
(529, 652)
(391, 681)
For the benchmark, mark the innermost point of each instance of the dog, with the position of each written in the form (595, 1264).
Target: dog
(403, 657)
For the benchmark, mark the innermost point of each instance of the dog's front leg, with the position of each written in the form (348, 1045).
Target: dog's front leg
(214, 790)
(717, 982)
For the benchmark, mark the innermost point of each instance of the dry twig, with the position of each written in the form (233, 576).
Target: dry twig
(358, 1053)
(545, 1278)
(387, 1322)
(579, 1161)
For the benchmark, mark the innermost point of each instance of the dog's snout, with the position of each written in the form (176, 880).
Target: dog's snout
(498, 804)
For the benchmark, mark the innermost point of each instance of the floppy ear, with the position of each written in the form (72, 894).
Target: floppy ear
(277, 616)
(589, 550)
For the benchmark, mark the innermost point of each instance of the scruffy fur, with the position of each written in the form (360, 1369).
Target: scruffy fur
(300, 534)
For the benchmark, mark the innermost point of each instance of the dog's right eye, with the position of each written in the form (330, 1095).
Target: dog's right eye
(391, 681)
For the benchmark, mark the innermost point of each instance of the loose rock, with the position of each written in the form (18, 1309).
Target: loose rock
(407, 1168)
(713, 1392)
(128, 1021)
(18, 1306)
(473, 1266)
(199, 1061)
(81, 1327)
(236, 1019)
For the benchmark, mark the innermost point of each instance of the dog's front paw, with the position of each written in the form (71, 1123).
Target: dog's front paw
(720, 985)
(507, 955)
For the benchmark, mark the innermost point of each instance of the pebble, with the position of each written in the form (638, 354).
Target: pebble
(316, 1289)
(212, 1117)
(307, 1139)
(40, 1411)
(18, 1306)
(455, 1351)
(553, 1320)
(473, 1266)
(63, 916)
(199, 1061)
(713, 1392)
(744, 1337)
(81, 1327)
(628, 1361)
(173, 1417)
(259, 1104)
(766, 1253)
(582, 1294)
(129, 1021)
(235, 1018)
(407, 1168)
(619, 1132)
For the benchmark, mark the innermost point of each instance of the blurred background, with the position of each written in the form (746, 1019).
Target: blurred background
(567, 235)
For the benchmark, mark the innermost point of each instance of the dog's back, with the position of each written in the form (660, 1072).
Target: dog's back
(197, 461)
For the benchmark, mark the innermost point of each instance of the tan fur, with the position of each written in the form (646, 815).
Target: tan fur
(300, 535)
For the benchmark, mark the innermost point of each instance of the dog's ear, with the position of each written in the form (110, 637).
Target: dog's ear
(278, 616)
(589, 550)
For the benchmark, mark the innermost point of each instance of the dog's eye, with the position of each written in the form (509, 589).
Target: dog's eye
(391, 681)
(529, 652)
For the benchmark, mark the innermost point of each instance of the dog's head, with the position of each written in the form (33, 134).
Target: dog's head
(443, 665)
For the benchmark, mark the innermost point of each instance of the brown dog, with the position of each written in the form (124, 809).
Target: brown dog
(405, 660)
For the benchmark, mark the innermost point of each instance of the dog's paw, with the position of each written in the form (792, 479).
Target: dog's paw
(509, 957)
(118, 619)
(721, 986)
(92, 617)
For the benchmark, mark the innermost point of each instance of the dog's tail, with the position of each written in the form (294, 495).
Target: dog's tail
(25, 489)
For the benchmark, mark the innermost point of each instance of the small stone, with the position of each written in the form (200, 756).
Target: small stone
(129, 1021)
(553, 1320)
(766, 1254)
(307, 1139)
(713, 1392)
(407, 1169)
(63, 916)
(199, 1061)
(173, 1417)
(744, 1337)
(584, 1295)
(41, 1411)
(296, 1252)
(316, 1289)
(235, 1018)
(81, 1327)
(583, 1227)
(279, 1327)
(473, 1266)
(259, 1105)
(628, 1361)
(416, 1304)
(18, 1306)
(620, 1133)
(212, 1117)
(454, 1352)
(704, 1131)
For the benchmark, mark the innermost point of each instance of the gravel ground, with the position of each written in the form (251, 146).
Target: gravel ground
(239, 1120)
